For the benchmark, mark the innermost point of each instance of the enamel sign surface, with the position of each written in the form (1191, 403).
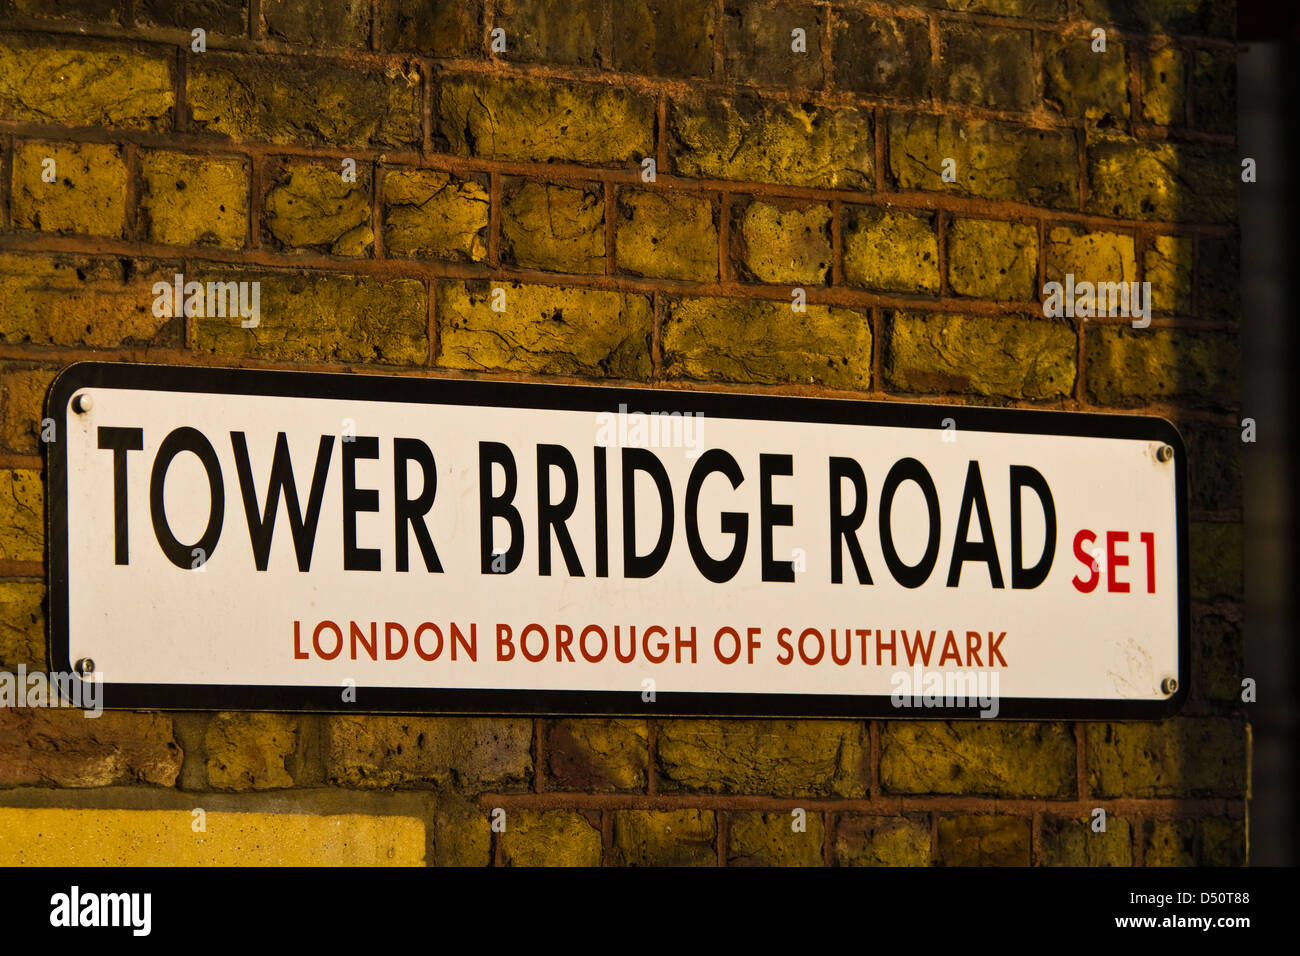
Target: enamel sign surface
(234, 539)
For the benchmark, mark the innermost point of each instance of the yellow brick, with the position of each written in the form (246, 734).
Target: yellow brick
(87, 195)
(102, 303)
(55, 83)
(59, 837)
(193, 200)
(24, 404)
(1090, 256)
(543, 329)
(22, 530)
(1168, 265)
(894, 252)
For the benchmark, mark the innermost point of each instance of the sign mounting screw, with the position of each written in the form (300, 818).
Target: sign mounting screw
(1165, 453)
(1169, 685)
(82, 403)
(85, 667)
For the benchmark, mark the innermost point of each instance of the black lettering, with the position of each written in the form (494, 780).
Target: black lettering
(963, 549)
(733, 523)
(770, 515)
(644, 566)
(844, 527)
(261, 528)
(1022, 476)
(183, 555)
(357, 500)
(494, 453)
(409, 512)
(553, 516)
(120, 440)
(909, 469)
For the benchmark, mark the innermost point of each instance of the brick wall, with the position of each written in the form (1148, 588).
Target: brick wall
(527, 169)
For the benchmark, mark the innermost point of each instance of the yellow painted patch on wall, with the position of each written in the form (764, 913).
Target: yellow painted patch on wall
(61, 837)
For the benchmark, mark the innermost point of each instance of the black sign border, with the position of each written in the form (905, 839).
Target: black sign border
(585, 398)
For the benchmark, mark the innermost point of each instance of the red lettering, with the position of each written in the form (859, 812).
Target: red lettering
(1114, 560)
(1149, 539)
(389, 654)
(1090, 585)
(504, 642)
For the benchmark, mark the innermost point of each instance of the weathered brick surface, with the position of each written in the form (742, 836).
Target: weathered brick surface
(669, 236)
(1217, 570)
(665, 838)
(664, 37)
(462, 832)
(1223, 842)
(1167, 265)
(1069, 842)
(1218, 659)
(22, 501)
(865, 840)
(1190, 17)
(767, 141)
(85, 84)
(985, 154)
(432, 214)
(470, 753)
(432, 29)
(544, 330)
(1037, 9)
(983, 841)
(189, 200)
(1137, 180)
(1082, 82)
(766, 343)
(22, 625)
(229, 17)
(1127, 365)
(784, 242)
(524, 119)
(1090, 256)
(955, 353)
(597, 755)
(1180, 757)
(87, 195)
(890, 252)
(992, 260)
(987, 67)
(103, 303)
(1218, 279)
(65, 748)
(560, 228)
(758, 44)
(314, 207)
(278, 100)
(550, 838)
(248, 751)
(778, 757)
(770, 839)
(977, 757)
(323, 318)
(1164, 87)
(884, 56)
(1215, 460)
(1170, 843)
(534, 32)
(344, 23)
(104, 11)
(24, 392)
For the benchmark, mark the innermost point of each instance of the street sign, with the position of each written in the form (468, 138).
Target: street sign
(238, 539)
